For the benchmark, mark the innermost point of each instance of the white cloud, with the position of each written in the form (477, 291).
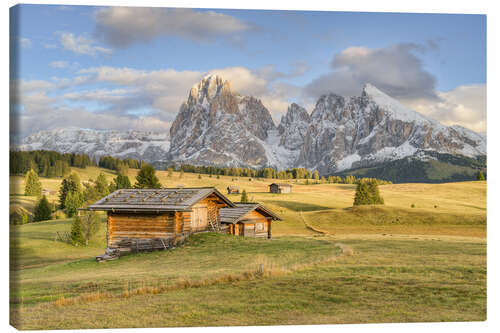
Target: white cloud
(81, 44)
(59, 64)
(394, 69)
(122, 26)
(62, 64)
(465, 105)
(158, 94)
(25, 42)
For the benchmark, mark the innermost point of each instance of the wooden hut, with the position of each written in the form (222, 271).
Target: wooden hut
(233, 189)
(159, 218)
(280, 188)
(248, 219)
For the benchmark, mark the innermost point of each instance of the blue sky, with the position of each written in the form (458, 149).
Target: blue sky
(123, 68)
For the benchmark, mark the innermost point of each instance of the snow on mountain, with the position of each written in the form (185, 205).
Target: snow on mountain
(148, 146)
(216, 126)
(373, 128)
(220, 127)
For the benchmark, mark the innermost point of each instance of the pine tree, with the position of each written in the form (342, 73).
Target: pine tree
(42, 210)
(244, 197)
(146, 178)
(101, 185)
(69, 184)
(33, 185)
(362, 197)
(316, 175)
(76, 234)
(375, 197)
(121, 181)
(170, 172)
(74, 200)
(480, 176)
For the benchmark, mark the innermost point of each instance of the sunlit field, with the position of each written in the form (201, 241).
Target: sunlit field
(419, 257)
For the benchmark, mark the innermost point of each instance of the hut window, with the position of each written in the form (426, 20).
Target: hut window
(259, 226)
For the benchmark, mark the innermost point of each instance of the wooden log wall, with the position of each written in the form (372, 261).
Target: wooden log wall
(144, 226)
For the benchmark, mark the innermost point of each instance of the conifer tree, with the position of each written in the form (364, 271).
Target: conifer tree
(375, 197)
(362, 197)
(76, 234)
(244, 197)
(480, 176)
(101, 185)
(69, 184)
(42, 210)
(33, 186)
(121, 181)
(146, 178)
(74, 200)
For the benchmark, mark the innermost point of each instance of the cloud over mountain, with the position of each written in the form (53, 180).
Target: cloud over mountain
(395, 69)
(123, 26)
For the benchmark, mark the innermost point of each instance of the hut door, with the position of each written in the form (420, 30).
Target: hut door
(200, 218)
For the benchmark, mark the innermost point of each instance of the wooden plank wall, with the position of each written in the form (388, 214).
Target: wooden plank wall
(145, 226)
(259, 226)
(206, 210)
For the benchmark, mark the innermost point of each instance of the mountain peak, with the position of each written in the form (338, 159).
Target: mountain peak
(393, 107)
(210, 86)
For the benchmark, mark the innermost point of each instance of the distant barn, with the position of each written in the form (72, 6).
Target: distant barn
(280, 188)
(233, 189)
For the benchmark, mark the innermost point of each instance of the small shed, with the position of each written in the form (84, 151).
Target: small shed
(233, 189)
(280, 188)
(159, 217)
(248, 219)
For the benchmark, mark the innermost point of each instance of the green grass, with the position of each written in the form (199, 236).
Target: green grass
(426, 263)
(384, 281)
(45, 276)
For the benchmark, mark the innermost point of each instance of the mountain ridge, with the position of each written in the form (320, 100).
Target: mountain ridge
(216, 126)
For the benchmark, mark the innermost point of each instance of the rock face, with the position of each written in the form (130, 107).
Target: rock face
(373, 128)
(293, 127)
(217, 126)
(148, 146)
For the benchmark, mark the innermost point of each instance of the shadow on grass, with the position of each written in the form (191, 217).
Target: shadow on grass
(297, 206)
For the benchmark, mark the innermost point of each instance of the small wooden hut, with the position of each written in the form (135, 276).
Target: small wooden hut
(248, 219)
(233, 189)
(280, 188)
(159, 218)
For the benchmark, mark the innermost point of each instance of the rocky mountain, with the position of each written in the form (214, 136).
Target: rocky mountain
(148, 146)
(217, 126)
(220, 127)
(373, 128)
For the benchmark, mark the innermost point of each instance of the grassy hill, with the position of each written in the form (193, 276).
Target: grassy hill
(436, 168)
(420, 257)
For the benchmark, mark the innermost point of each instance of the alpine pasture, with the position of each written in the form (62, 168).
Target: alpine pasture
(419, 257)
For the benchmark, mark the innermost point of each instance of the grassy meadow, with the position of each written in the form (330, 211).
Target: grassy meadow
(419, 257)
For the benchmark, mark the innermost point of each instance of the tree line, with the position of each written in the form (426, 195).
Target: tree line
(48, 163)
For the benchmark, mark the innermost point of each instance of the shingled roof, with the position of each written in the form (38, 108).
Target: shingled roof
(236, 214)
(156, 200)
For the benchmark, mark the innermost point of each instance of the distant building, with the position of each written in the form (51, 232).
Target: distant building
(233, 190)
(280, 188)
